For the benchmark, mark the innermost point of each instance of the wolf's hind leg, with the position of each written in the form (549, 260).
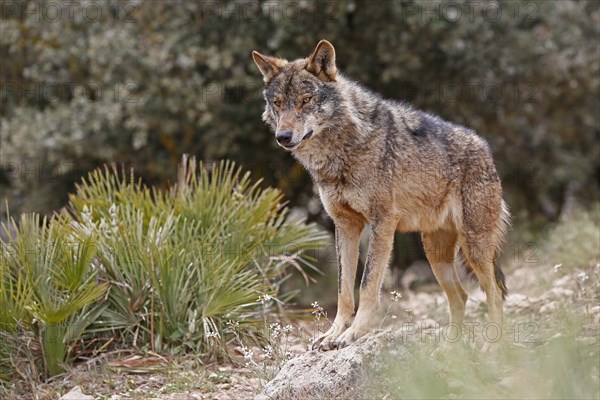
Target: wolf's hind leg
(481, 256)
(440, 248)
(347, 239)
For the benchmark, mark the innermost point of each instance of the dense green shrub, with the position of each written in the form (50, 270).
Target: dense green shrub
(139, 267)
(143, 83)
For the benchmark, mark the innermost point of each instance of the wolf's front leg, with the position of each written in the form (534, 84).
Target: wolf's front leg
(380, 248)
(347, 238)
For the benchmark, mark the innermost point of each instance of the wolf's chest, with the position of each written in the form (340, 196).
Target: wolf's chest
(335, 196)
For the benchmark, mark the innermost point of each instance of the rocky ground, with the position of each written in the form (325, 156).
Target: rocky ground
(541, 296)
(551, 332)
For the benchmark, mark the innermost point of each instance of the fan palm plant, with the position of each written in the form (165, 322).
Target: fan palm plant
(183, 261)
(49, 285)
(143, 267)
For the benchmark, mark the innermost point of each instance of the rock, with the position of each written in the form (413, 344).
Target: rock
(517, 300)
(563, 281)
(519, 303)
(298, 348)
(76, 394)
(558, 293)
(338, 374)
(550, 307)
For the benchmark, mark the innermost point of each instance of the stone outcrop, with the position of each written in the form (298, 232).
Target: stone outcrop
(348, 373)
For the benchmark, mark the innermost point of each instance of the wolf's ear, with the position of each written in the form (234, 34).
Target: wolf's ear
(322, 62)
(269, 66)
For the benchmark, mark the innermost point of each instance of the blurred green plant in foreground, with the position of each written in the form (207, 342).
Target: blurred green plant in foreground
(130, 266)
(549, 345)
(560, 368)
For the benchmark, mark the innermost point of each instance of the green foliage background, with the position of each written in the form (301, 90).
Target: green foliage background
(143, 82)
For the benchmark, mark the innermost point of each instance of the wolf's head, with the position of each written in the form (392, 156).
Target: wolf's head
(301, 95)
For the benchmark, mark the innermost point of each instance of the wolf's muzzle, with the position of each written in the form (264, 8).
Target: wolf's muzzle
(284, 137)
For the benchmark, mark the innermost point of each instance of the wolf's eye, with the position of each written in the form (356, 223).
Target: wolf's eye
(307, 99)
(277, 103)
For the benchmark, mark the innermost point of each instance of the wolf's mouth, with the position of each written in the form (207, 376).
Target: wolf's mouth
(308, 135)
(292, 146)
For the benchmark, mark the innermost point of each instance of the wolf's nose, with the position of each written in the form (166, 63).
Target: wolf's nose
(284, 137)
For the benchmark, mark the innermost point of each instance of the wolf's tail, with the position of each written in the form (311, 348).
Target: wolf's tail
(502, 226)
(500, 279)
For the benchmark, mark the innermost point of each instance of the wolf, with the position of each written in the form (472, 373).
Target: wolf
(385, 164)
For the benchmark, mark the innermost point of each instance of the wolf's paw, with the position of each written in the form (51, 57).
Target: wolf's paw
(327, 341)
(351, 335)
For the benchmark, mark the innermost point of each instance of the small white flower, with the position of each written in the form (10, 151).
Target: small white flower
(318, 311)
(247, 353)
(396, 296)
(264, 299)
(86, 214)
(274, 326)
(112, 210)
(269, 352)
(275, 329)
(583, 277)
(233, 323)
(557, 267)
